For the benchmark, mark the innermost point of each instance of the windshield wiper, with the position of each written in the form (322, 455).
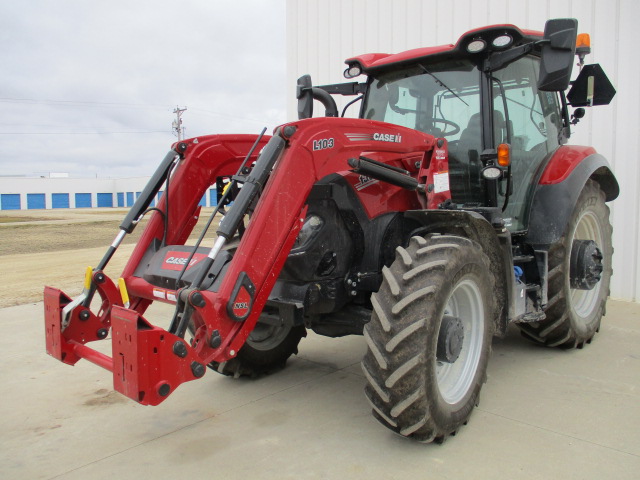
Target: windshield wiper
(441, 83)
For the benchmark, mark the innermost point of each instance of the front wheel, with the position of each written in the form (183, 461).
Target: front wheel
(266, 350)
(429, 337)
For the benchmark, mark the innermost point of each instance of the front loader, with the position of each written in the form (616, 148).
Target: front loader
(450, 208)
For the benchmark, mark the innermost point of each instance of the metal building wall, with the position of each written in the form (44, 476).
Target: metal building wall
(322, 34)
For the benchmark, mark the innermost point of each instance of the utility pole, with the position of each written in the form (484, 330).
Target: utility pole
(178, 129)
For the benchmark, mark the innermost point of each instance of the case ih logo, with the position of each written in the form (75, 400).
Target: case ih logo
(364, 182)
(378, 137)
(176, 260)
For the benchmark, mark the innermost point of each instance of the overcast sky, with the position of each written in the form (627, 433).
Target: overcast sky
(89, 87)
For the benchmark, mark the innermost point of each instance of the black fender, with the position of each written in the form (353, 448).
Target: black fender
(553, 204)
(495, 243)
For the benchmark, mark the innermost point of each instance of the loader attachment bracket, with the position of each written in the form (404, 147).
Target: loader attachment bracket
(83, 326)
(148, 362)
(54, 301)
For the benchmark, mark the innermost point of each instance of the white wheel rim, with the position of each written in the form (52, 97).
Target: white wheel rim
(265, 337)
(583, 302)
(455, 379)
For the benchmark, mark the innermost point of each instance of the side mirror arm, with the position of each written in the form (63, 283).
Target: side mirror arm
(498, 60)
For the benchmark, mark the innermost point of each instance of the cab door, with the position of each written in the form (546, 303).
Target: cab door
(531, 122)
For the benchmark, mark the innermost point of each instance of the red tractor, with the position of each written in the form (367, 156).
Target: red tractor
(450, 208)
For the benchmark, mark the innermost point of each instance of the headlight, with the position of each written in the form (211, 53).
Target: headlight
(491, 173)
(502, 41)
(476, 46)
(353, 71)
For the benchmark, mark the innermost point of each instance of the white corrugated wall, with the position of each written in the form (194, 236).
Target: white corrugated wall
(322, 34)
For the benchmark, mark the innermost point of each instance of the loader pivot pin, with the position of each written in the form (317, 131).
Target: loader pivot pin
(216, 340)
(197, 369)
(180, 349)
(164, 389)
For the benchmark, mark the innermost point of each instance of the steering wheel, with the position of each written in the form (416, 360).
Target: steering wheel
(456, 127)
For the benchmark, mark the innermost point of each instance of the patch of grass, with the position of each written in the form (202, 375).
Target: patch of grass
(25, 219)
(114, 211)
(34, 238)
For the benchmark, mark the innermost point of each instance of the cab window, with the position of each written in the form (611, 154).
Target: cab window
(530, 121)
(443, 100)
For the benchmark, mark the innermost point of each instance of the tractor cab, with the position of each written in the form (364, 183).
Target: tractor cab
(498, 89)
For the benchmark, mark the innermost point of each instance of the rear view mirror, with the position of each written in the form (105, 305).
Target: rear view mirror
(306, 93)
(558, 50)
(305, 97)
(591, 88)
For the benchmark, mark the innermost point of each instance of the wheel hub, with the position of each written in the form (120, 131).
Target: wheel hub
(586, 265)
(450, 339)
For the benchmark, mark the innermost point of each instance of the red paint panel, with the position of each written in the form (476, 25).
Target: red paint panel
(380, 59)
(563, 162)
(375, 60)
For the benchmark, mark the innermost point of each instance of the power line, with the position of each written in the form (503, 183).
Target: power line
(91, 104)
(225, 115)
(79, 103)
(82, 133)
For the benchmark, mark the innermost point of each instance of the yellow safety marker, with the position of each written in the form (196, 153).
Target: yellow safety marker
(123, 292)
(88, 276)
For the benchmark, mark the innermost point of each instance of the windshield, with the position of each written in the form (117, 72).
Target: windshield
(443, 100)
(438, 99)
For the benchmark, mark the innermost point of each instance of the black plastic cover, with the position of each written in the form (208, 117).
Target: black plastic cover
(166, 264)
(603, 90)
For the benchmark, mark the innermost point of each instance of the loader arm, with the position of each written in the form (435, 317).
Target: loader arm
(148, 362)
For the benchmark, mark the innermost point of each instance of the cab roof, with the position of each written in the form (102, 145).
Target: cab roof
(375, 62)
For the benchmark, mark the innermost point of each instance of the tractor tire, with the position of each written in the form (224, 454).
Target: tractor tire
(265, 351)
(573, 315)
(429, 338)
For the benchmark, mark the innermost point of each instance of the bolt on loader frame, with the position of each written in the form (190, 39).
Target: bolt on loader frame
(450, 208)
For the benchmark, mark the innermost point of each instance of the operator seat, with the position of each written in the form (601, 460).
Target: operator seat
(471, 137)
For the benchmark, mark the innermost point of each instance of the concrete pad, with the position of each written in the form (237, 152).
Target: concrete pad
(544, 414)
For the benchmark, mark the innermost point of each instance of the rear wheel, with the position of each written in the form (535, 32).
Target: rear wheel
(266, 350)
(579, 276)
(429, 337)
